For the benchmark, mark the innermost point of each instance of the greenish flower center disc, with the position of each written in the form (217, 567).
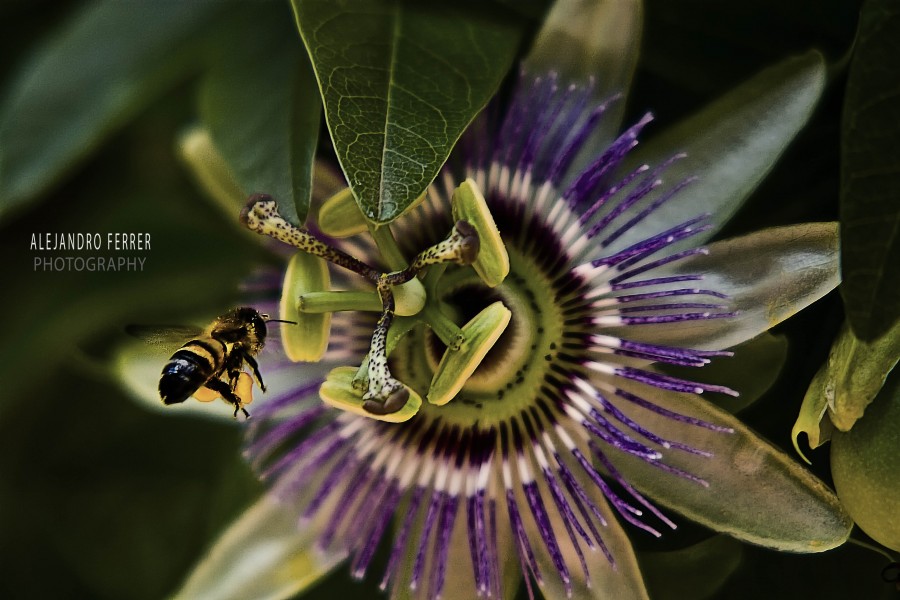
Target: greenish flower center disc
(511, 375)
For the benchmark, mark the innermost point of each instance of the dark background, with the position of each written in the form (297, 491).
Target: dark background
(101, 498)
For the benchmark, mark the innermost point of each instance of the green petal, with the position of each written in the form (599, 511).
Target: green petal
(769, 276)
(622, 581)
(138, 365)
(730, 145)
(263, 555)
(460, 578)
(308, 339)
(756, 492)
(597, 39)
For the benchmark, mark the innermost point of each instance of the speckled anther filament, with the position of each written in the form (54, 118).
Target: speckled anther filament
(261, 216)
(384, 394)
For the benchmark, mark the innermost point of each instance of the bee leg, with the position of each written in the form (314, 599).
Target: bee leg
(217, 385)
(255, 366)
(233, 376)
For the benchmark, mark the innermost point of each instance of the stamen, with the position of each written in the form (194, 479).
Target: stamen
(386, 395)
(261, 215)
(461, 247)
(492, 262)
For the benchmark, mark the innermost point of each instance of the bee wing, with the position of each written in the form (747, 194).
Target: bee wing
(163, 335)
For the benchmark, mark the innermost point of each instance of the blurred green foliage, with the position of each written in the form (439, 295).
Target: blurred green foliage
(870, 175)
(102, 499)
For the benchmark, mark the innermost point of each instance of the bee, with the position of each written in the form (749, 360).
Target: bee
(210, 355)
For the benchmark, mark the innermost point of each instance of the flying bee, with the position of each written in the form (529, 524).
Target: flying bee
(210, 355)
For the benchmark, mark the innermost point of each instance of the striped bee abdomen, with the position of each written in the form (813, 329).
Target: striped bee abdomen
(190, 367)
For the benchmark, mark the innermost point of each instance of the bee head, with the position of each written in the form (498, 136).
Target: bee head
(256, 326)
(244, 326)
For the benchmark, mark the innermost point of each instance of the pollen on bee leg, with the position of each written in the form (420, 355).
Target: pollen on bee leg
(243, 389)
(204, 394)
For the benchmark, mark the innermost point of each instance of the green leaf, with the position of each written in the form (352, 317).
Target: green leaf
(400, 82)
(260, 105)
(110, 61)
(870, 175)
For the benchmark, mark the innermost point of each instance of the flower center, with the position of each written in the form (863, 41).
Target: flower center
(512, 373)
(484, 330)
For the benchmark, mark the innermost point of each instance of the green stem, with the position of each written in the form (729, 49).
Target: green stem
(334, 301)
(432, 276)
(443, 327)
(388, 247)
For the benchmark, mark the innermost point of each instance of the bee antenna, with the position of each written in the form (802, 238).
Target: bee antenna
(280, 321)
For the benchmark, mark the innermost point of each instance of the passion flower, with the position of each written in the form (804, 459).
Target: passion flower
(507, 409)
(487, 412)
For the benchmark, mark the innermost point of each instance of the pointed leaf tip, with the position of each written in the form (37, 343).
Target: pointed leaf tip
(395, 111)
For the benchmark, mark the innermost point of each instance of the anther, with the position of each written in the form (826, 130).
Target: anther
(385, 394)
(393, 403)
(460, 247)
(261, 215)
